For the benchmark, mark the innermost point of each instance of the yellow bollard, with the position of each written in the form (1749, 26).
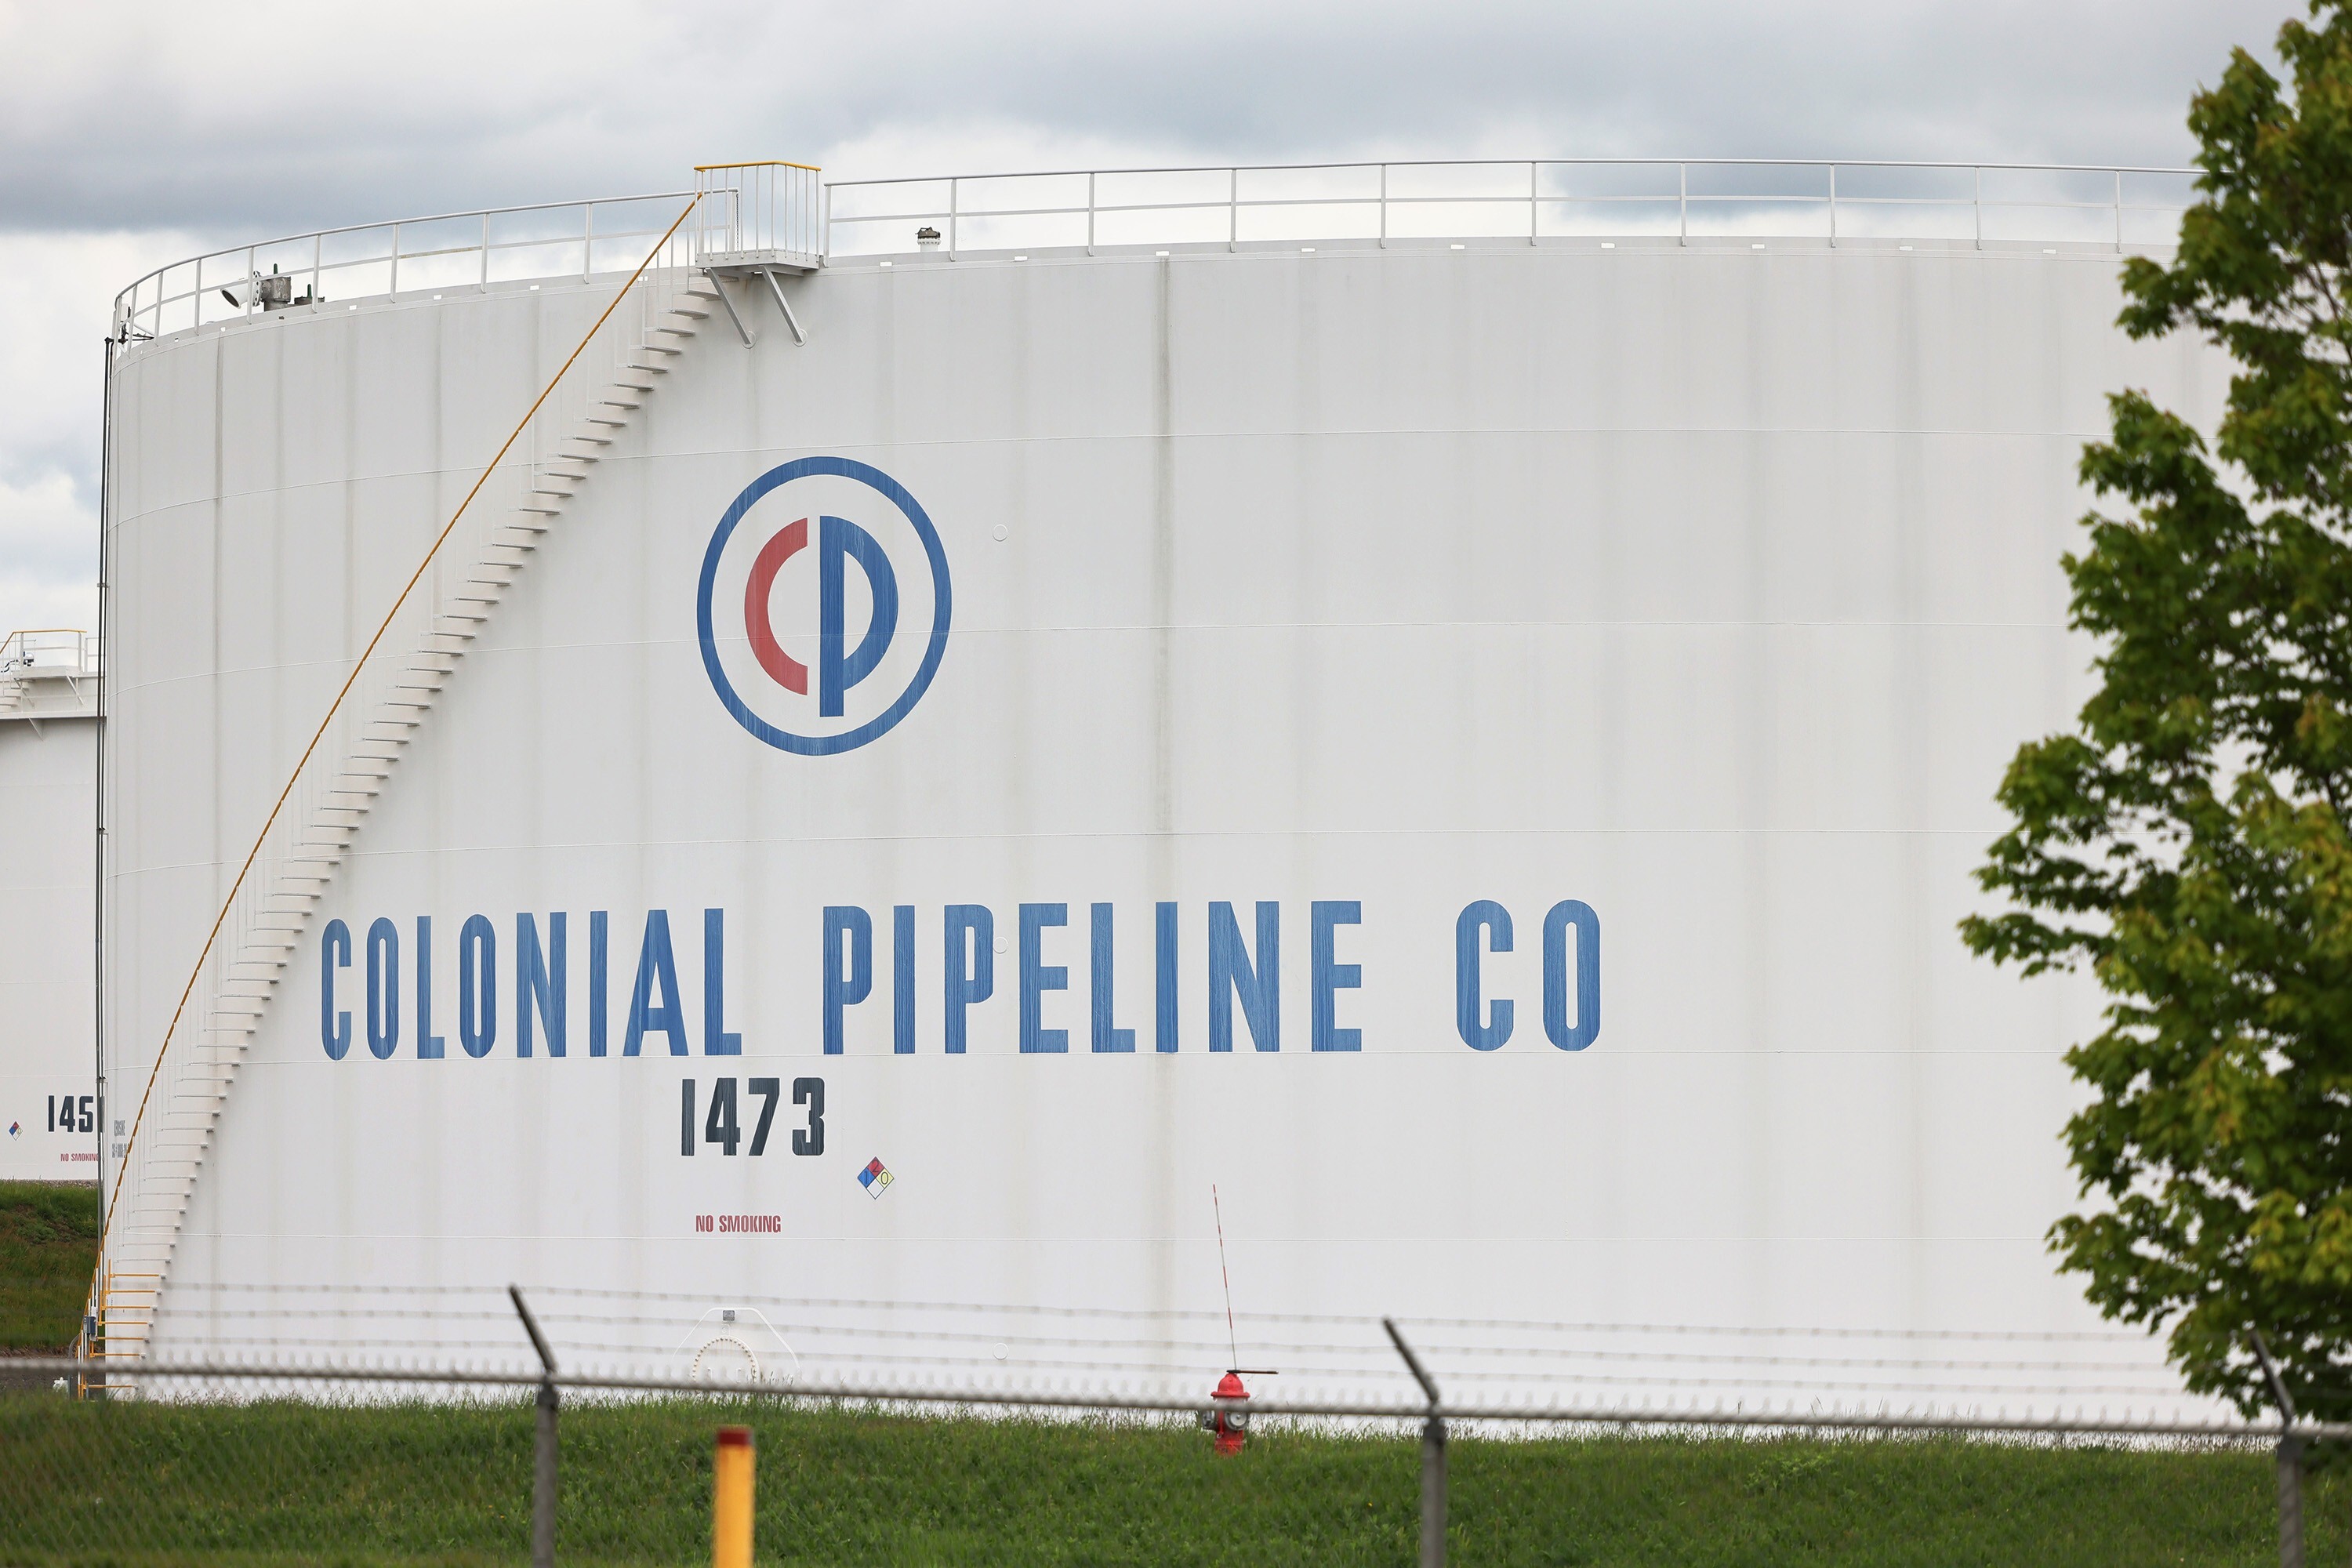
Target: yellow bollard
(730, 1503)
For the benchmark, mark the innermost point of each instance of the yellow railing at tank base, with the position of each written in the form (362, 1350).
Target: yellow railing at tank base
(98, 1289)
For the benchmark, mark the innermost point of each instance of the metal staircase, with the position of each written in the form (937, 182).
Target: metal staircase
(392, 690)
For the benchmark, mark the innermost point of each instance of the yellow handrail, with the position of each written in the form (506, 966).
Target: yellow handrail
(759, 163)
(139, 1119)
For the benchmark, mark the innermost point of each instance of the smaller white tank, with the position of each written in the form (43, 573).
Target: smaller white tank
(50, 1111)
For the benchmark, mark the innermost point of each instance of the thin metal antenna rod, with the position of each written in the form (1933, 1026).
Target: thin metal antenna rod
(1232, 1342)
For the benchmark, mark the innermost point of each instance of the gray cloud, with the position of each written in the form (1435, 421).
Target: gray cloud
(132, 134)
(288, 118)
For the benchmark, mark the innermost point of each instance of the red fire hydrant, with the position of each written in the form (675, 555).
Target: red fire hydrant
(1232, 1426)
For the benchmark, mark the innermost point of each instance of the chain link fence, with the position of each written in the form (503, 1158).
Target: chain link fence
(381, 1456)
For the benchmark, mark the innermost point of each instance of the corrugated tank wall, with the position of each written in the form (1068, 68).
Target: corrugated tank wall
(1344, 649)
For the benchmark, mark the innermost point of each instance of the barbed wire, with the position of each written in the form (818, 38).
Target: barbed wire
(1385, 1374)
(710, 1300)
(630, 1334)
(958, 1336)
(1694, 1416)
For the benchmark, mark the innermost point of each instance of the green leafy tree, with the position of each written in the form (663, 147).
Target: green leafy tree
(2187, 839)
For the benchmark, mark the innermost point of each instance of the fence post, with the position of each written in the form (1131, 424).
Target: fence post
(1433, 1457)
(1432, 1493)
(2290, 1502)
(542, 1480)
(2290, 1460)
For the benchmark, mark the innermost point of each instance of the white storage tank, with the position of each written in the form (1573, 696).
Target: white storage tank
(1467, 738)
(49, 931)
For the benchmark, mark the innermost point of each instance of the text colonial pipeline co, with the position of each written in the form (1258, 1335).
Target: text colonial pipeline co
(390, 1003)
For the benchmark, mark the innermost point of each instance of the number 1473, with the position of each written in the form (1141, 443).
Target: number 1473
(721, 1125)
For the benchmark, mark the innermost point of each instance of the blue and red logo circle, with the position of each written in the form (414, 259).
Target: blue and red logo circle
(834, 565)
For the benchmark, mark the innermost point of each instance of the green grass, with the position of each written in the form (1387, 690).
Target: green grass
(48, 1245)
(161, 1485)
(152, 1484)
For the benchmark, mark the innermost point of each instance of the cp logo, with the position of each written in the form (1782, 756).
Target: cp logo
(838, 573)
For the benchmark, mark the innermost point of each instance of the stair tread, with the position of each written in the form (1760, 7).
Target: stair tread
(177, 1141)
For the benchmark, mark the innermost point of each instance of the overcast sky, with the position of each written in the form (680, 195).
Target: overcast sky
(133, 134)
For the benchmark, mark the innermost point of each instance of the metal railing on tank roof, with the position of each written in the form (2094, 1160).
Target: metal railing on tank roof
(1659, 200)
(759, 214)
(447, 251)
(49, 650)
(779, 211)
